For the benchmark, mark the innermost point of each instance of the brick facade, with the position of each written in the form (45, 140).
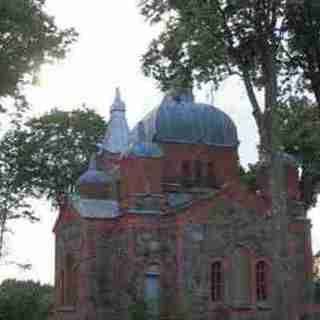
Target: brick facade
(110, 258)
(184, 229)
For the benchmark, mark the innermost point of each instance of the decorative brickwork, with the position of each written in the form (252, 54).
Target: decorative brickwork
(182, 228)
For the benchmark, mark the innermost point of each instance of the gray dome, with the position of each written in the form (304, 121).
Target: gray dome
(93, 176)
(179, 119)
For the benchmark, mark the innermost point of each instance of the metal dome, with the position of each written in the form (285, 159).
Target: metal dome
(93, 176)
(179, 119)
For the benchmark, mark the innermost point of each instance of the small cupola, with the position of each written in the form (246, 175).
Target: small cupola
(95, 183)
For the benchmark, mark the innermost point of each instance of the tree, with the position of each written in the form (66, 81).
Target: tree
(211, 40)
(300, 131)
(304, 45)
(50, 152)
(29, 37)
(44, 158)
(25, 300)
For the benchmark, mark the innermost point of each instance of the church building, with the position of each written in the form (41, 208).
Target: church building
(162, 226)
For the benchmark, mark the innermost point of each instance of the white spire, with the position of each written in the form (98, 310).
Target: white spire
(118, 104)
(117, 136)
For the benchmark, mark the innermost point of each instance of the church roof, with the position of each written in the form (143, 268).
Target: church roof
(95, 209)
(179, 119)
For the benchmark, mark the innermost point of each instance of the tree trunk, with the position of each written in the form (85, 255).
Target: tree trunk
(315, 83)
(268, 153)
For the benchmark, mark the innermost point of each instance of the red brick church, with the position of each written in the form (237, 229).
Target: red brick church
(162, 220)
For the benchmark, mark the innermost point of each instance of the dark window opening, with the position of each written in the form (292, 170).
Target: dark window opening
(216, 281)
(261, 279)
(211, 177)
(186, 173)
(198, 171)
(186, 169)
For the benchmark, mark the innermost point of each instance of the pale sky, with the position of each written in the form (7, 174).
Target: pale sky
(113, 36)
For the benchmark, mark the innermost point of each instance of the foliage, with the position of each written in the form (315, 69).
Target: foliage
(304, 44)
(249, 177)
(50, 152)
(300, 132)
(25, 300)
(44, 157)
(29, 37)
(13, 204)
(262, 42)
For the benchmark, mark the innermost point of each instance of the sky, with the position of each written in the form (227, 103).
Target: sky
(113, 37)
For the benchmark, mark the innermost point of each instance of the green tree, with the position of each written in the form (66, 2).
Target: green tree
(29, 37)
(25, 300)
(206, 41)
(264, 43)
(300, 131)
(44, 158)
(49, 153)
(212, 40)
(303, 54)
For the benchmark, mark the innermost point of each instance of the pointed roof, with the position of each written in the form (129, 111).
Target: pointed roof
(116, 139)
(93, 175)
(118, 104)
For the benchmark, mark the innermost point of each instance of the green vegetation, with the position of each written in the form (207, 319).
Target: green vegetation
(273, 47)
(210, 41)
(25, 300)
(43, 158)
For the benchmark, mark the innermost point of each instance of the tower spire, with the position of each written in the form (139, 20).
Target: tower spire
(118, 104)
(116, 139)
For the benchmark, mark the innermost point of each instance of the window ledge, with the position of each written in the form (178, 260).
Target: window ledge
(263, 305)
(66, 309)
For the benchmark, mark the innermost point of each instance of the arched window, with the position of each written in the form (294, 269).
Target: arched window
(261, 280)
(198, 171)
(216, 281)
(186, 172)
(152, 290)
(211, 179)
(186, 169)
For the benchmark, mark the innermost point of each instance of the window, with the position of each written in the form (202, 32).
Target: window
(261, 280)
(186, 169)
(211, 181)
(186, 172)
(216, 281)
(152, 292)
(198, 171)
